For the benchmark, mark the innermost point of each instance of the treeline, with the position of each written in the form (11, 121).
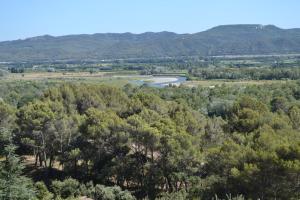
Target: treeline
(172, 143)
(17, 70)
(263, 73)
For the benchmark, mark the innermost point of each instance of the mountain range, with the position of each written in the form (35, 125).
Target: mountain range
(252, 39)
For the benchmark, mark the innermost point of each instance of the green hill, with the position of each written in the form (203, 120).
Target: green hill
(221, 40)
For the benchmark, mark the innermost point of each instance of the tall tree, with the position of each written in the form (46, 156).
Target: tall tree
(13, 185)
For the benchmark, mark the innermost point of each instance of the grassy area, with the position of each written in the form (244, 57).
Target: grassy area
(54, 75)
(120, 78)
(109, 78)
(66, 75)
(210, 83)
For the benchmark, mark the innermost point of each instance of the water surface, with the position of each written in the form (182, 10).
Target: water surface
(161, 81)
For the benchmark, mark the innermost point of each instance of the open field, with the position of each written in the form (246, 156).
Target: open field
(55, 75)
(109, 78)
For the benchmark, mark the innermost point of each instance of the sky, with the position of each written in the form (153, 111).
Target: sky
(21, 19)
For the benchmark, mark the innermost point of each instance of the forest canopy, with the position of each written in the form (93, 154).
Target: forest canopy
(69, 140)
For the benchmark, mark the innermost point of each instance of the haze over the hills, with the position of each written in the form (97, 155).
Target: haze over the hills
(251, 39)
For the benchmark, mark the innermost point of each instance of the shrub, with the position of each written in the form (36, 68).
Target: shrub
(66, 188)
(111, 193)
(42, 192)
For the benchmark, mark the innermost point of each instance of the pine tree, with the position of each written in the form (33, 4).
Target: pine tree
(13, 186)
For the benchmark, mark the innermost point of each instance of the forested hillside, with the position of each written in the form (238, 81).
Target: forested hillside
(102, 142)
(221, 40)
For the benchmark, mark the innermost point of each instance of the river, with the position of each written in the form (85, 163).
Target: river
(160, 81)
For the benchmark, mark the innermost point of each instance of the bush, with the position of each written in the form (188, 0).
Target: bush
(87, 189)
(42, 192)
(103, 193)
(111, 193)
(65, 189)
(181, 195)
(229, 197)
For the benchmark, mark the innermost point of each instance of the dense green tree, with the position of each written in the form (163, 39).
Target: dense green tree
(279, 104)
(13, 185)
(105, 134)
(36, 122)
(294, 114)
(7, 115)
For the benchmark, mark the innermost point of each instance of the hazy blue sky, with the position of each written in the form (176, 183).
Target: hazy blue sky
(27, 18)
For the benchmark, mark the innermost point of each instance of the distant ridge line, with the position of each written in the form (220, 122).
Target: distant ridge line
(224, 40)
